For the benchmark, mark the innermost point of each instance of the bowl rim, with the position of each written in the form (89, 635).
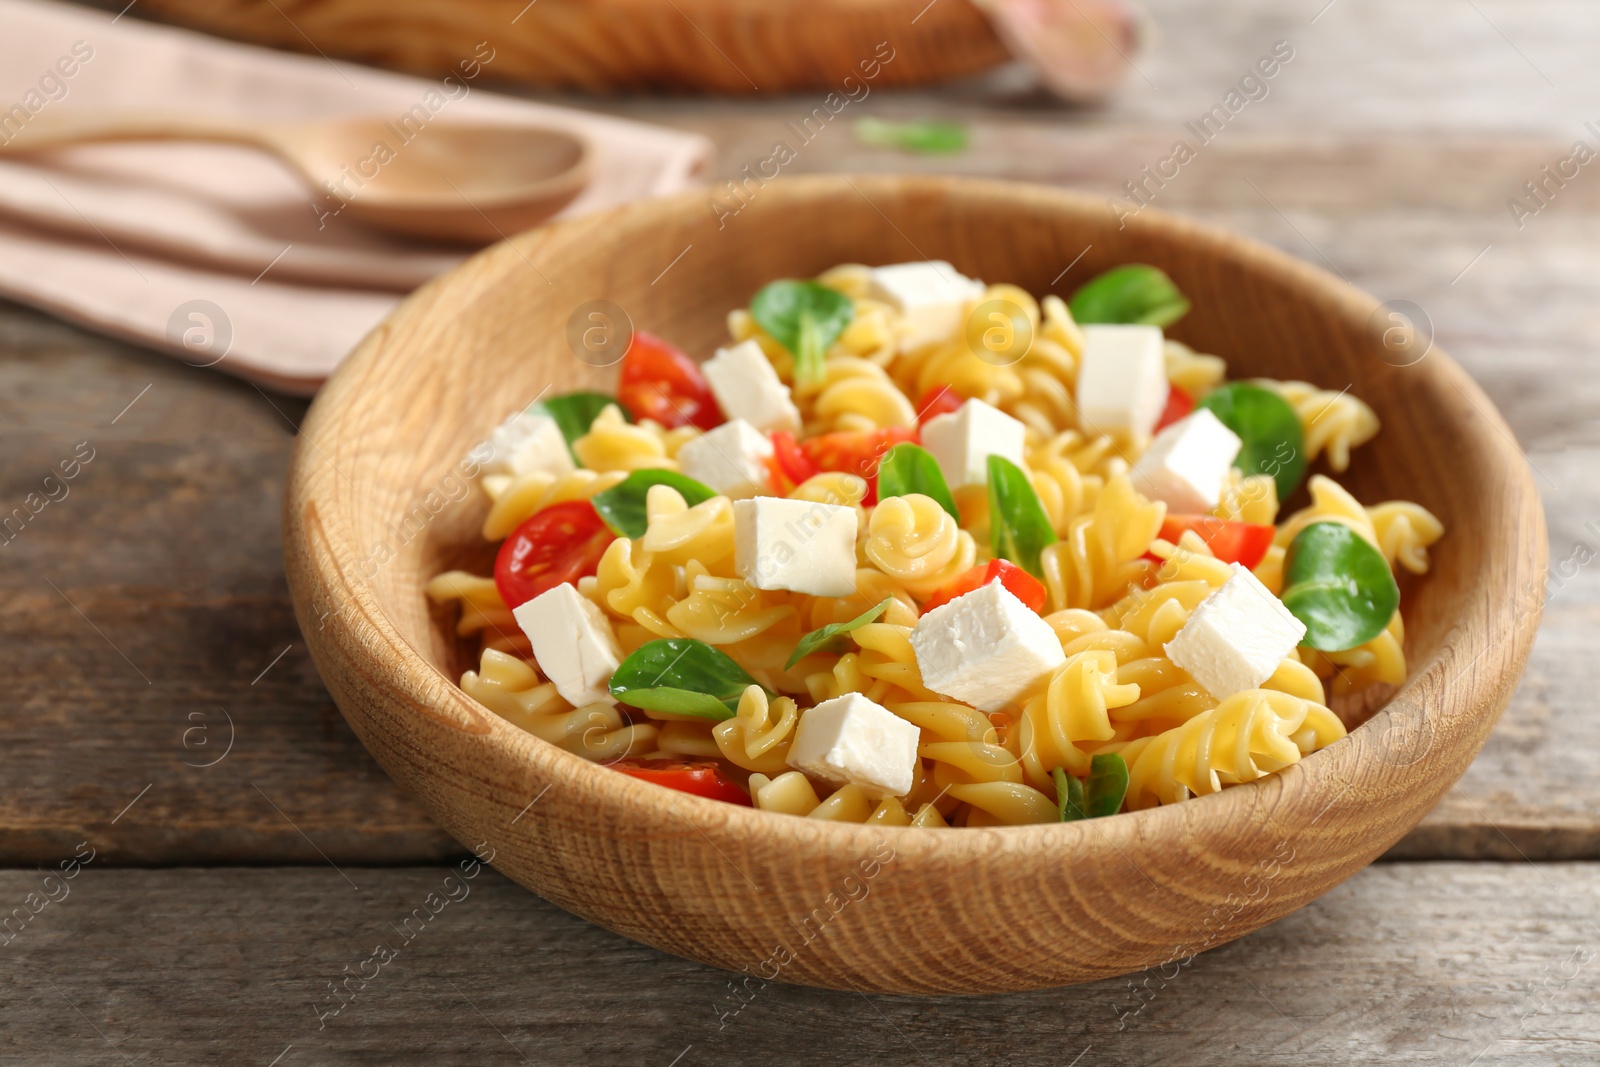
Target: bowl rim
(1474, 694)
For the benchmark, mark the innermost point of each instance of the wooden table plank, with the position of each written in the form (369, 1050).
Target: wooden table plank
(234, 966)
(146, 607)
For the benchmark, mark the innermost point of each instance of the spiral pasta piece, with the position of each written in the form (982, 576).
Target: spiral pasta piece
(915, 542)
(1192, 372)
(1404, 532)
(1380, 661)
(758, 736)
(854, 394)
(1333, 422)
(1073, 708)
(512, 689)
(1407, 532)
(513, 500)
(1101, 553)
(793, 794)
(615, 444)
(483, 613)
(631, 584)
(1068, 473)
(1248, 736)
(1251, 498)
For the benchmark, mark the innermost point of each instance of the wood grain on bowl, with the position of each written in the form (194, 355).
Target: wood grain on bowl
(887, 909)
(722, 46)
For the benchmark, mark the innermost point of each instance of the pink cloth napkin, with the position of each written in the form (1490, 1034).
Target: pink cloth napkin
(215, 253)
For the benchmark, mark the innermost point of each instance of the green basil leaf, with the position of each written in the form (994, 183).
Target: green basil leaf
(907, 468)
(1136, 293)
(622, 506)
(681, 675)
(826, 635)
(1107, 785)
(804, 317)
(1274, 442)
(574, 413)
(1019, 529)
(934, 138)
(1339, 585)
(1069, 796)
(679, 702)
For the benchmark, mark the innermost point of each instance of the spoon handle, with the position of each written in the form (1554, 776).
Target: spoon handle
(53, 130)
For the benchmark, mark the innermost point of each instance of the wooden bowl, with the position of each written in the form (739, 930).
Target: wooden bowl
(722, 46)
(884, 909)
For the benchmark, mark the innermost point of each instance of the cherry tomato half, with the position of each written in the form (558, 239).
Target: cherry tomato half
(855, 451)
(789, 464)
(1179, 404)
(1244, 543)
(660, 383)
(560, 543)
(940, 400)
(702, 778)
(1024, 586)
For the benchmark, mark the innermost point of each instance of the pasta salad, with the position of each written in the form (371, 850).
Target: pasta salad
(916, 550)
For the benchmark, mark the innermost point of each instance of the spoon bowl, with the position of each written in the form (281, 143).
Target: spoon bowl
(467, 182)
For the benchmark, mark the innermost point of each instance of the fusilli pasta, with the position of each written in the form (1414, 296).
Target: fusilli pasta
(1095, 599)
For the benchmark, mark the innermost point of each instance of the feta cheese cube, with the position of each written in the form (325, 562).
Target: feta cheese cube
(851, 740)
(964, 439)
(1187, 464)
(572, 642)
(930, 296)
(798, 545)
(732, 459)
(528, 442)
(985, 648)
(744, 383)
(1122, 379)
(1236, 637)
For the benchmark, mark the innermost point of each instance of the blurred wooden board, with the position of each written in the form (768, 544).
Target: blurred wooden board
(235, 966)
(724, 46)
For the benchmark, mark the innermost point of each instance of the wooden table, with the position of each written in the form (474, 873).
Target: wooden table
(145, 623)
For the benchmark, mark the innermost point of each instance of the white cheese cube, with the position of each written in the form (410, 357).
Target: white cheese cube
(1187, 464)
(732, 459)
(853, 741)
(1236, 637)
(573, 643)
(985, 648)
(528, 442)
(798, 545)
(1122, 380)
(964, 439)
(746, 386)
(930, 296)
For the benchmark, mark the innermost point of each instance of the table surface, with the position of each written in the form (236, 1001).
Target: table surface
(247, 853)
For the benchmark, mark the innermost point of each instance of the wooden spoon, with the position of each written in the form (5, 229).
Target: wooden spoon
(462, 182)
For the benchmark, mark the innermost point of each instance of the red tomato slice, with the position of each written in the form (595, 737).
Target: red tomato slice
(659, 382)
(702, 778)
(940, 400)
(1179, 404)
(560, 543)
(857, 452)
(1024, 586)
(789, 464)
(1244, 543)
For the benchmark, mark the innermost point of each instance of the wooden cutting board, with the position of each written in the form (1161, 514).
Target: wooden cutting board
(721, 46)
